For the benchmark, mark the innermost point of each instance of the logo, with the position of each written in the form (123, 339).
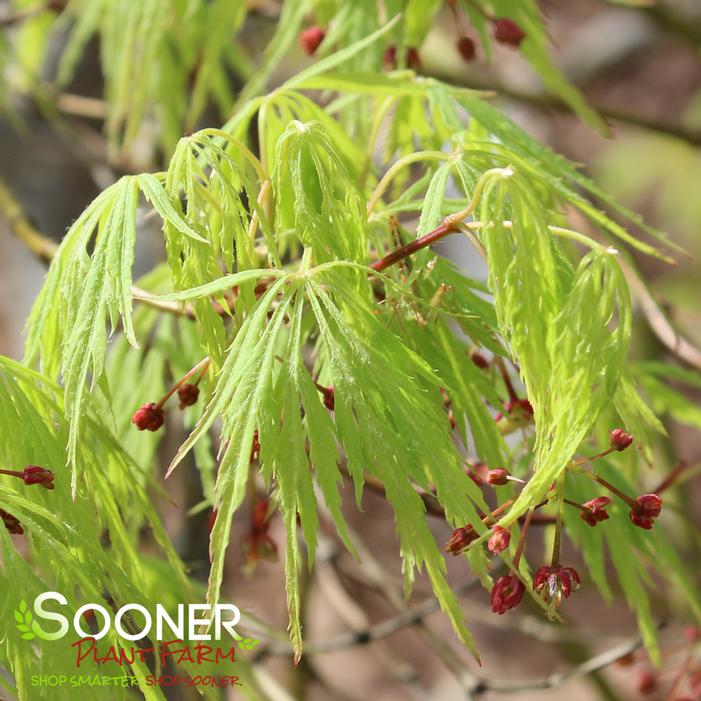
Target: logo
(27, 625)
(198, 622)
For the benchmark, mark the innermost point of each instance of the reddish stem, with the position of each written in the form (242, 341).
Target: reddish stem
(615, 490)
(408, 249)
(522, 538)
(202, 365)
(513, 397)
(672, 477)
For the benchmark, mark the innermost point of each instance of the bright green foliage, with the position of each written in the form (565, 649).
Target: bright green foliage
(266, 272)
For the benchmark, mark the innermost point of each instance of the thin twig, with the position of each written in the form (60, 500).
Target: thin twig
(45, 249)
(594, 664)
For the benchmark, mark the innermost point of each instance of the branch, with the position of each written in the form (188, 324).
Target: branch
(45, 249)
(551, 681)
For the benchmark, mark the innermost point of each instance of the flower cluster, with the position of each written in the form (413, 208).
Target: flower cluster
(151, 416)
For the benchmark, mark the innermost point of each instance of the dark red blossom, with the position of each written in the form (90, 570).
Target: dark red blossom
(499, 540)
(647, 508)
(461, 539)
(33, 474)
(595, 511)
(148, 417)
(506, 31)
(507, 593)
(466, 48)
(619, 439)
(310, 39)
(188, 394)
(555, 583)
(11, 523)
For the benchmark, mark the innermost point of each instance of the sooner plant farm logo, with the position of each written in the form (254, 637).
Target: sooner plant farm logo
(190, 621)
(202, 626)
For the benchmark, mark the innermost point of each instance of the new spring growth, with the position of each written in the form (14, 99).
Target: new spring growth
(33, 474)
(150, 416)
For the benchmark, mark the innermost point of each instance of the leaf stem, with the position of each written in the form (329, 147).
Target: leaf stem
(202, 365)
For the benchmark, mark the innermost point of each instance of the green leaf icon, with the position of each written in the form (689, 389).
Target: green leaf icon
(248, 643)
(24, 618)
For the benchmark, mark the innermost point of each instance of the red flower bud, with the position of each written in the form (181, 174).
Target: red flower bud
(619, 439)
(413, 60)
(499, 540)
(33, 474)
(498, 477)
(11, 523)
(506, 31)
(391, 58)
(595, 511)
(647, 682)
(310, 39)
(507, 593)
(479, 360)
(148, 417)
(188, 394)
(466, 48)
(461, 539)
